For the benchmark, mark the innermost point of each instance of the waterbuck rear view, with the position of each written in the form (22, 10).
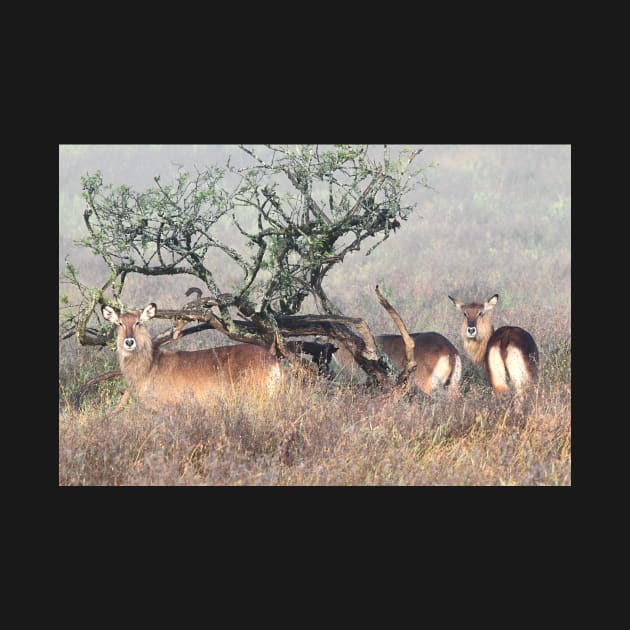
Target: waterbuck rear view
(435, 359)
(157, 377)
(439, 366)
(439, 363)
(508, 354)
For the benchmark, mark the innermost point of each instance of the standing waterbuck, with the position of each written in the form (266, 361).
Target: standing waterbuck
(509, 354)
(158, 377)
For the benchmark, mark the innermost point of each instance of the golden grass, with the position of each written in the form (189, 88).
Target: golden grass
(319, 433)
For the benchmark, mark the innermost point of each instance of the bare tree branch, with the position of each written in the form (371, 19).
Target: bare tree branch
(411, 364)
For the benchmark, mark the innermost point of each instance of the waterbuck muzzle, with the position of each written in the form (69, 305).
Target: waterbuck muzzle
(129, 343)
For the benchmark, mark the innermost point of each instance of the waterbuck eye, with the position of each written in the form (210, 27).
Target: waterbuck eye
(138, 323)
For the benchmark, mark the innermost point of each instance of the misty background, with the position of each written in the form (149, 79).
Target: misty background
(497, 219)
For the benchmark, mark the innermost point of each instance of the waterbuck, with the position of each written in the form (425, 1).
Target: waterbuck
(157, 377)
(508, 354)
(439, 364)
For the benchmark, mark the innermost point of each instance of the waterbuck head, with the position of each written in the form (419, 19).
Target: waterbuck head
(132, 336)
(477, 322)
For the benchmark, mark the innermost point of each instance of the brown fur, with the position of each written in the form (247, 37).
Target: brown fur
(429, 348)
(476, 348)
(159, 377)
(520, 338)
(516, 358)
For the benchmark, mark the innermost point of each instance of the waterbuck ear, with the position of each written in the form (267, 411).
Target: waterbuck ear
(491, 303)
(457, 303)
(109, 314)
(148, 312)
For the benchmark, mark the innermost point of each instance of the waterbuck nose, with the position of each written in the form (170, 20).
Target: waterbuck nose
(471, 331)
(130, 343)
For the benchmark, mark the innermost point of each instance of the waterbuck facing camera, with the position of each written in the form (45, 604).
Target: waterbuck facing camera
(508, 354)
(159, 377)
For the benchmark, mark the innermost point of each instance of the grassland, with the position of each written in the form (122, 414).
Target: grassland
(327, 433)
(498, 222)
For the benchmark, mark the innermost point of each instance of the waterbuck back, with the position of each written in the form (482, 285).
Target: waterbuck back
(511, 356)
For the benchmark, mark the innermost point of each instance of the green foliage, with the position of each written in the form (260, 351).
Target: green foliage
(308, 210)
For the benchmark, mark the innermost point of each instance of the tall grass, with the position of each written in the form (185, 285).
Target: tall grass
(321, 433)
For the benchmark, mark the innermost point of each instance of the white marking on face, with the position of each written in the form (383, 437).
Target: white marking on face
(130, 344)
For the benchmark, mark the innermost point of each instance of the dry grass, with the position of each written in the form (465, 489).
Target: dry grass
(319, 433)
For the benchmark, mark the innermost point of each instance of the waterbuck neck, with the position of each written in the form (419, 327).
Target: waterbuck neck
(476, 348)
(136, 365)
